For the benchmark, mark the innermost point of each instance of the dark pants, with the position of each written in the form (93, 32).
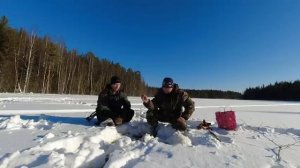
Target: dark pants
(154, 116)
(125, 114)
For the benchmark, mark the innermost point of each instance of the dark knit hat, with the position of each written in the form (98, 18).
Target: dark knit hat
(167, 82)
(114, 80)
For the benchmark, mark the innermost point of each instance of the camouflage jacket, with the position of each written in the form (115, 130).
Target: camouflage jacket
(114, 102)
(172, 104)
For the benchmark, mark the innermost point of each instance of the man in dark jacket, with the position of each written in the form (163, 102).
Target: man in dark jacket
(167, 106)
(113, 103)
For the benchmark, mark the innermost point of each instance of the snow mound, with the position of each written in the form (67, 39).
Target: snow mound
(15, 123)
(170, 136)
(179, 138)
(77, 151)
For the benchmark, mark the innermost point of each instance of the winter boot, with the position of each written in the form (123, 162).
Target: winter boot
(107, 122)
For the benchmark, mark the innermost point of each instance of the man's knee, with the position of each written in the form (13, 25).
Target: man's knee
(151, 114)
(104, 114)
(151, 117)
(128, 115)
(130, 112)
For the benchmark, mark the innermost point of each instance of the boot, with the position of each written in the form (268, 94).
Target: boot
(100, 119)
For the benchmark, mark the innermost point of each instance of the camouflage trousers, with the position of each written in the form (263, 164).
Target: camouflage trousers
(155, 116)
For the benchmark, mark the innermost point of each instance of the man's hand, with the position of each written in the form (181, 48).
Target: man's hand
(145, 98)
(185, 115)
(180, 119)
(180, 124)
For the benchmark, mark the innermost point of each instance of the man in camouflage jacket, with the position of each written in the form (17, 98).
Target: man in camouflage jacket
(167, 106)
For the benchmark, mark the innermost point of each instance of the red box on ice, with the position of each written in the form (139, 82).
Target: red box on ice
(226, 120)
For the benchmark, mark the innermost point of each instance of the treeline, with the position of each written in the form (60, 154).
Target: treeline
(277, 91)
(211, 94)
(214, 94)
(29, 63)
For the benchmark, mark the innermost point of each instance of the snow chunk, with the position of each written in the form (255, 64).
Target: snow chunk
(49, 136)
(179, 138)
(108, 135)
(15, 123)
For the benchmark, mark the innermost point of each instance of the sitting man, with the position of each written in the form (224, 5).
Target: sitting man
(167, 106)
(113, 103)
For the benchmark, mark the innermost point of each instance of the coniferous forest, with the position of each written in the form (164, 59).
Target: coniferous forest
(278, 91)
(29, 63)
(214, 94)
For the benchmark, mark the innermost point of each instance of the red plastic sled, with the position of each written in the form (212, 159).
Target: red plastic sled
(226, 120)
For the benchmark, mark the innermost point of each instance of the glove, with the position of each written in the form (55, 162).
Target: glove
(180, 124)
(185, 115)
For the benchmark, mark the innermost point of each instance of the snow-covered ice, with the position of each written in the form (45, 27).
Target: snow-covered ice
(48, 130)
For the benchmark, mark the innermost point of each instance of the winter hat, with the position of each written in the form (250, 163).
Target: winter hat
(167, 82)
(115, 80)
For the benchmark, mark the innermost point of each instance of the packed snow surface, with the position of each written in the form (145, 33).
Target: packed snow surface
(45, 130)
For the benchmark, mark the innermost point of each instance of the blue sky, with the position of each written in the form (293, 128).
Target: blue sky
(201, 44)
